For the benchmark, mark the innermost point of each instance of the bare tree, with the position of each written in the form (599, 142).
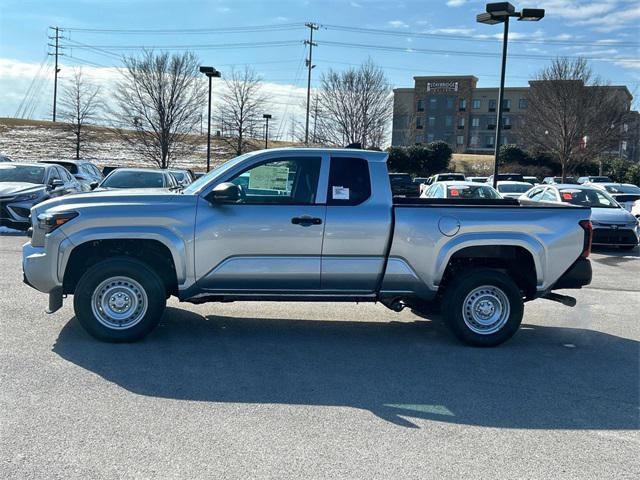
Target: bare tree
(80, 105)
(158, 105)
(356, 106)
(572, 114)
(243, 104)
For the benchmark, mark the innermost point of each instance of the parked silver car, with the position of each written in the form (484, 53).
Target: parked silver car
(23, 185)
(183, 177)
(613, 226)
(138, 178)
(85, 172)
(507, 188)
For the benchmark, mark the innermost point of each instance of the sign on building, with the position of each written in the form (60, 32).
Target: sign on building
(440, 87)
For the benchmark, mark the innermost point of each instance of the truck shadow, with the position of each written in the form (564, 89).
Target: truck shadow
(544, 378)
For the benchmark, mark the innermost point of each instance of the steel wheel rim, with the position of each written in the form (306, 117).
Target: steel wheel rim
(119, 303)
(486, 310)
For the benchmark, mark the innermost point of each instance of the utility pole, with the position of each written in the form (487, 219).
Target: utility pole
(311, 26)
(56, 45)
(315, 120)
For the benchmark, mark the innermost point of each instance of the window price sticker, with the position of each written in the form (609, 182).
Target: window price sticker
(340, 193)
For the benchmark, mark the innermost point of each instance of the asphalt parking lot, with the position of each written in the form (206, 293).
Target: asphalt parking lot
(300, 390)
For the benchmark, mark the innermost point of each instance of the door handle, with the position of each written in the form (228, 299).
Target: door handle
(306, 220)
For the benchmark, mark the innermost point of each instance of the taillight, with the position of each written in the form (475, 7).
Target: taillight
(588, 237)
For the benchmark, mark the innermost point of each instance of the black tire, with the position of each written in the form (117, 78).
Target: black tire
(151, 285)
(463, 285)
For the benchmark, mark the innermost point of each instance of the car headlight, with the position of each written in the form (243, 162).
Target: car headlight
(27, 196)
(50, 221)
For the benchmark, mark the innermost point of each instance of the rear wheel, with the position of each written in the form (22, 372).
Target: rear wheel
(119, 300)
(483, 307)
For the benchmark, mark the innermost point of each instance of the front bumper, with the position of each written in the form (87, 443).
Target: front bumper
(39, 268)
(577, 276)
(16, 214)
(614, 237)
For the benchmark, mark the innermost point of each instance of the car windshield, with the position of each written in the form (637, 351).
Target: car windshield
(471, 191)
(404, 179)
(22, 173)
(201, 182)
(599, 179)
(133, 179)
(449, 177)
(622, 189)
(513, 188)
(587, 198)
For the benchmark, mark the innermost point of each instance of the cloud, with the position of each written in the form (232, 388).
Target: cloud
(355, 4)
(452, 31)
(397, 24)
(456, 3)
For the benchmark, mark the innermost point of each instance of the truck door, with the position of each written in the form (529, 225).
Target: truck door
(357, 227)
(271, 239)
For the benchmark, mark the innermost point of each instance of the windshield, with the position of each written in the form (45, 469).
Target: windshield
(201, 182)
(449, 177)
(22, 174)
(397, 178)
(133, 179)
(622, 189)
(588, 198)
(471, 191)
(513, 188)
(599, 179)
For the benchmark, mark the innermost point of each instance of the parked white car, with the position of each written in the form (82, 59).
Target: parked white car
(626, 194)
(513, 189)
(460, 190)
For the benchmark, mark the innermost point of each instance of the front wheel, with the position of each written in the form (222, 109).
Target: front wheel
(483, 308)
(119, 300)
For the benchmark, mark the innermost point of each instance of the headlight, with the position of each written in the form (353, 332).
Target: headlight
(50, 221)
(27, 196)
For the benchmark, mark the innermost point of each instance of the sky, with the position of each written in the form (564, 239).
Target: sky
(406, 38)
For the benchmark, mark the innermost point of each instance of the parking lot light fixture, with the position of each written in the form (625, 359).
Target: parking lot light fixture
(266, 117)
(495, 13)
(210, 72)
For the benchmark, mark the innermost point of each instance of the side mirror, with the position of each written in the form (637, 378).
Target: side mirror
(93, 185)
(224, 193)
(55, 183)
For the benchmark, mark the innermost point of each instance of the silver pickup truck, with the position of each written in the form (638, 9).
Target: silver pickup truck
(303, 225)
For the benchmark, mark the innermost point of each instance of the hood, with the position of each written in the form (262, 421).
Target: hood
(120, 197)
(611, 215)
(14, 188)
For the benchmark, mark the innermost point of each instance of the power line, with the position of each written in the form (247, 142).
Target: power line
(206, 46)
(460, 52)
(473, 38)
(191, 31)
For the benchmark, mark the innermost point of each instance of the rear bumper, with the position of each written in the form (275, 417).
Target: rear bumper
(577, 276)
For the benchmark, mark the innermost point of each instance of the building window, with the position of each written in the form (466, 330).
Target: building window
(460, 140)
(523, 104)
(430, 137)
(419, 123)
(419, 138)
(489, 139)
(506, 104)
(433, 103)
(475, 122)
(625, 127)
(463, 105)
(492, 105)
(450, 103)
(432, 121)
(448, 121)
(461, 122)
(624, 145)
(474, 140)
(420, 106)
(476, 104)
(506, 122)
(504, 141)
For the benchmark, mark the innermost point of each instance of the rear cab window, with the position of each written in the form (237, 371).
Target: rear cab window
(349, 181)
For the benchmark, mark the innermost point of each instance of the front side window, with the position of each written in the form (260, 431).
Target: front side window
(349, 181)
(549, 195)
(286, 181)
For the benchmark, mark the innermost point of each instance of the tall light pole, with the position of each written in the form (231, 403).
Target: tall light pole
(266, 116)
(500, 13)
(210, 72)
